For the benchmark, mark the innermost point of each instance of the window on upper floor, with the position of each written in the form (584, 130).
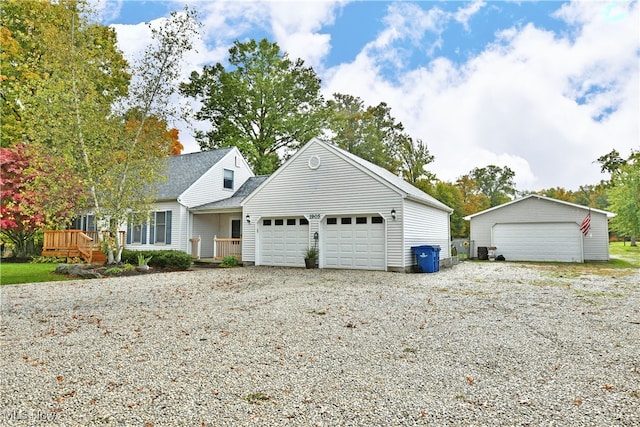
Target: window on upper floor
(228, 179)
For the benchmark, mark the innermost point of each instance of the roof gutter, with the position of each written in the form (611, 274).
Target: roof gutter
(441, 207)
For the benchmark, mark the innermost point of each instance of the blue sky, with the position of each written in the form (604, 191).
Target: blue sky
(542, 87)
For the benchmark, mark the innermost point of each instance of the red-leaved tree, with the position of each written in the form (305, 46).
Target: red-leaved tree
(36, 191)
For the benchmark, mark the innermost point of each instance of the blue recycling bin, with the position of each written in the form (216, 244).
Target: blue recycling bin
(428, 258)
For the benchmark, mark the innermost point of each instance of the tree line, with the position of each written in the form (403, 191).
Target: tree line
(73, 107)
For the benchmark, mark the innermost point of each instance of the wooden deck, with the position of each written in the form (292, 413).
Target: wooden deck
(74, 244)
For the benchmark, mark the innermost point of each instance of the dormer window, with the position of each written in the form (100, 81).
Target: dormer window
(228, 179)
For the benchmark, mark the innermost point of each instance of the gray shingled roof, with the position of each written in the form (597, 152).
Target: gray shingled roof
(540, 197)
(234, 201)
(184, 170)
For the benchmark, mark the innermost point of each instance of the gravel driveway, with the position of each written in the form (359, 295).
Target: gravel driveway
(478, 344)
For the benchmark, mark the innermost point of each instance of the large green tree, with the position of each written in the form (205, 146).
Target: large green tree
(264, 103)
(41, 41)
(415, 157)
(371, 133)
(495, 182)
(624, 192)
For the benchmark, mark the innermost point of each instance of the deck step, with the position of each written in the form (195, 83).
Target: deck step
(97, 257)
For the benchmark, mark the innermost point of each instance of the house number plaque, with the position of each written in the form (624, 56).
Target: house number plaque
(315, 216)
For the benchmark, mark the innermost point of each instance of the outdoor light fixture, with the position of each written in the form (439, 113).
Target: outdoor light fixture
(393, 214)
(248, 218)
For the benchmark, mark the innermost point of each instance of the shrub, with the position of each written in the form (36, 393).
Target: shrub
(113, 271)
(229, 261)
(163, 259)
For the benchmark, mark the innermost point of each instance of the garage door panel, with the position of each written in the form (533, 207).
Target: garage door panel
(354, 242)
(283, 245)
(539, 242)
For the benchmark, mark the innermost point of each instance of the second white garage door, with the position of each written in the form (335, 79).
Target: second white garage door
(354, 242)
(283, 241)
(556, 241)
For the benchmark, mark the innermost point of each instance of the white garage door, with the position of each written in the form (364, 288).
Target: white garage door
(283, 241)
(539, 242)
(354, 242)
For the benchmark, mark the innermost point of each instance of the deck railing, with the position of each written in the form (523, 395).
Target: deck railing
(227, 247)
(74, 243)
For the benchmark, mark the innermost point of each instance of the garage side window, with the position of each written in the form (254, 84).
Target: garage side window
(266, 222)
(361, 220)
(376, 220)
(345, 220)
(332, 221)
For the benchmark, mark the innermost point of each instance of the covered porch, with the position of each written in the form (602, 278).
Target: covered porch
(216, 235)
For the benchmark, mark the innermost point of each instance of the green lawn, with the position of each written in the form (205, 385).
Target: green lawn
(23, 272)
(625, 252)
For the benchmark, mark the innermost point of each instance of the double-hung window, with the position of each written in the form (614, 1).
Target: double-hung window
(228, 179)
(160, 230)
(136, 231)
(161, 227)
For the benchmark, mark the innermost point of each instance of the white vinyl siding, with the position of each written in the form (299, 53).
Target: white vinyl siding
(425, 226)
(337, 187)
(210, 188)
(596, 242)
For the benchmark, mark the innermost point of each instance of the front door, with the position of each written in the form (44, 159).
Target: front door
(235, 229)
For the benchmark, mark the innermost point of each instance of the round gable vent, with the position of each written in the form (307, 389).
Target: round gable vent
(314, 162)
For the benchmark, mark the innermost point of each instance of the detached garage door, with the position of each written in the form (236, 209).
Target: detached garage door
(283, 241)
(354, 242)
(538, 242)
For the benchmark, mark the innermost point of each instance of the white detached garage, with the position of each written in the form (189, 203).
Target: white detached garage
(539, 228)
(358, 214)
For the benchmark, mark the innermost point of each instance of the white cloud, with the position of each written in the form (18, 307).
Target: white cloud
(296, 26)
(464, 14)
(515, 103)
(107, 10)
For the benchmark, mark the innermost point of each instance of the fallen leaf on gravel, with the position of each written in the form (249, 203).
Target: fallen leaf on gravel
(470, 380)
(577, 401)
(608, 387)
